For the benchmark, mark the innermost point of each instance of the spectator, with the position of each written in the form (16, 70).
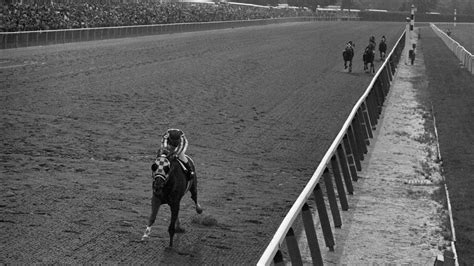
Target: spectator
(23, 17)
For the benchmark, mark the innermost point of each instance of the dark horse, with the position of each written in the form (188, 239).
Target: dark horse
(347, 55)
(170, 183)
(382, 50)
(368, 58)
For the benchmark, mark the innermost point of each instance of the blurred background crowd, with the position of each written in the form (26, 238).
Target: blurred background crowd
(25, 17)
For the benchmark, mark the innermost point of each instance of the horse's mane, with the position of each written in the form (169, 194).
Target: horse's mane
(173, 162)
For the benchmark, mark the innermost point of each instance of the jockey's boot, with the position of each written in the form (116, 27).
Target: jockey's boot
(191, 171)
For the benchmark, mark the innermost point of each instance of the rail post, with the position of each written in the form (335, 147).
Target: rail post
(365, 115)
(389, 72)
(350, 158)
(372, 109)
(336, 216)
(354, 147)
(345, 169)
(293, 249)
(323, 217)
(339, 185)
(385, 82)
(378, 101)
(311, 235)
(278, 259)
(379, 98)
(393, 66)
(359, 137)
(388, 67)
(363, 126)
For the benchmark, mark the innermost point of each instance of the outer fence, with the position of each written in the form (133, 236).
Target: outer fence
(344, 159)
(47, 37)
(466, 58)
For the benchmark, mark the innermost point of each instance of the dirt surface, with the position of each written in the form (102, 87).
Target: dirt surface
(451, 92)
(80, 126)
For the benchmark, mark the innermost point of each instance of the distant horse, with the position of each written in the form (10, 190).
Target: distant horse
(368, 58)
(382, 50)
(170, 183)
(347, 55)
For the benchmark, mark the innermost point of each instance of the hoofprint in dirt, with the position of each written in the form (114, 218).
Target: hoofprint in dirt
(81, 124)
(396, 214)
(451, 93)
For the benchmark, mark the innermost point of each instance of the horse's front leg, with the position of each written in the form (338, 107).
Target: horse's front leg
(155, 206)
(174, 217)
(178, 227)
(193, 190)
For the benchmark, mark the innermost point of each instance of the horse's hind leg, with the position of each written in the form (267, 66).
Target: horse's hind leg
(193, 190)
(155, 206)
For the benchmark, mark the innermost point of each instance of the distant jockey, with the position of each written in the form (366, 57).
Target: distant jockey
(174, 144)
(383, 48)
(350, 45)
(348, 54)
(372, 43)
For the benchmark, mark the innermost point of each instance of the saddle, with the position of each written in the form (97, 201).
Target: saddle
(183, 166)
(187, 168)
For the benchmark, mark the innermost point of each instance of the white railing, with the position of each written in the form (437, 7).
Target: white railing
(343, 157)
(48, 37)
(466, 58)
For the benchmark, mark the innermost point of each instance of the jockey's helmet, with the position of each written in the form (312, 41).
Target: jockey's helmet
(174, 137)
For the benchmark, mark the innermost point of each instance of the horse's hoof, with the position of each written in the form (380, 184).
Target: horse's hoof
(199, 210)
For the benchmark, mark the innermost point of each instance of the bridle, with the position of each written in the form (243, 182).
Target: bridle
(163, 168)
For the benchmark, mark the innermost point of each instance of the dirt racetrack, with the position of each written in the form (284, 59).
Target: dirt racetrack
(81, 125)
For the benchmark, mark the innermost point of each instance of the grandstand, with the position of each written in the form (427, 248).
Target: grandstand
(23, 15)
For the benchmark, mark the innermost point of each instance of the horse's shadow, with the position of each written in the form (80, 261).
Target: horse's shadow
(355, 74)
(186, 252)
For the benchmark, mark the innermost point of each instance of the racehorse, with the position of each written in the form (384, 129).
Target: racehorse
(368, 58)
(170, 184)
(347, 55)
(382, 50)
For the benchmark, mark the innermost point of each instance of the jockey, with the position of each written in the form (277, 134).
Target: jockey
(350, 45)
(347, 54)
(372, 43)
(382, 47)
(174, 144)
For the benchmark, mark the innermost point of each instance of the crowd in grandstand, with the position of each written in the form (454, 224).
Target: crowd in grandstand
(23, 17)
